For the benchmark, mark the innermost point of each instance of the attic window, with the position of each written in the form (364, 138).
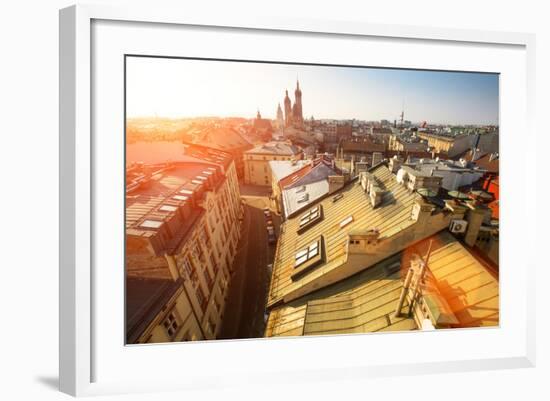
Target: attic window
(181, 197)
(197, 182)
(306, 254)
(337, 197)
(151, 224)
(202, 178)
(207, 172)
(168, 208)
(186, 191)
(310, 217)
(346, 221)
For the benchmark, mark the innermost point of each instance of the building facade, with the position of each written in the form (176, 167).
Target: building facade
(182, 231)
(257, 168)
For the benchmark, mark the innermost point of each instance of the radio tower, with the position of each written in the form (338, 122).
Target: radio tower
(402, 116)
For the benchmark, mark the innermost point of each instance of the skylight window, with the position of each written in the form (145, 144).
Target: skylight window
(151, 224)
(202, 178)
(310, 217)
(303, 198)
(180, 197)
(337, 197)
(197, 182)
(301, 189)
(207, 172)
(306, 254)
(186, 191)
(168, 208)
(346, 221)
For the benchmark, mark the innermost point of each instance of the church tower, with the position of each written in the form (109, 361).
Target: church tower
(280, 118)
(288, 110)
(297, 115)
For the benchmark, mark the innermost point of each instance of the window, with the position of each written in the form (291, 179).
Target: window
(306, 254)
(180, 197)
(311, 216)
(168, 208)
(346, 221)
(197, 251)
(189, 269)
(303, 198)
(151, 224)
(171, 324)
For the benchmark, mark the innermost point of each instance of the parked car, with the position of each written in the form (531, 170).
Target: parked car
(271, 239)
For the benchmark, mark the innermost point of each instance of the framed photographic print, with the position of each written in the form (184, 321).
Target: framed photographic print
(259, 192)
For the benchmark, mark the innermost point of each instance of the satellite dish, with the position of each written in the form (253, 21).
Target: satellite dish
(458, 195)
(426, 192)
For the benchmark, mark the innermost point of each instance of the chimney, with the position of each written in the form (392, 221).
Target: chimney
(475, 219)
(335, 182)
(395, 164)
(421, 211)
(375, 194)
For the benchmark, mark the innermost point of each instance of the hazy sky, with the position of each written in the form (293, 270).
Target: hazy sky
(188, 88)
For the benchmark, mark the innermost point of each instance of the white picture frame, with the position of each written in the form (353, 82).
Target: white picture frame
(80, 344)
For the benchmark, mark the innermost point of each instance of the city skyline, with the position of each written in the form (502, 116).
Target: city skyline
(184, 88)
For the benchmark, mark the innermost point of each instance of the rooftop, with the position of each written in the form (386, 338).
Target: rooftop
(145, 298)
(391, 216)
(366, 301)
(276, 148)
(298, 197)
(223, 138)
(307, 188)
(283, 168)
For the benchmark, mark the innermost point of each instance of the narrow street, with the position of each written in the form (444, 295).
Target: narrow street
(244, 310)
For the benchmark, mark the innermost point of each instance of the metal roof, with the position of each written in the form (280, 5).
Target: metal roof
(366, 301)
(391, 216)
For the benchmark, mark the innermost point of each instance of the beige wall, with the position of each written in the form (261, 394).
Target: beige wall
(257, 170)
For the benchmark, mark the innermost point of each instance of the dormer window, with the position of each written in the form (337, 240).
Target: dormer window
(306, 254)
(309, 218)
(307, 258)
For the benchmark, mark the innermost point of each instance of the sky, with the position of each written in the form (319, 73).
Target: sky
(174, 88)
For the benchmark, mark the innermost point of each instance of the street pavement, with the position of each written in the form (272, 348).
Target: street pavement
(247, 294)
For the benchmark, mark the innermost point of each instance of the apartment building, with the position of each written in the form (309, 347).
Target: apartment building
(182, 231)
(256, 161)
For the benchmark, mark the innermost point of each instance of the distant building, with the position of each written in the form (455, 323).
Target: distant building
(280, 121)
(294, 113)
(182, 231)
(280, 170)
(227, 139)
(256, 160)
(341, 264)
(454, 174)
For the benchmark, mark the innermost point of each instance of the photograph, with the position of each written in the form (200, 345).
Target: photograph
(267, 199)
